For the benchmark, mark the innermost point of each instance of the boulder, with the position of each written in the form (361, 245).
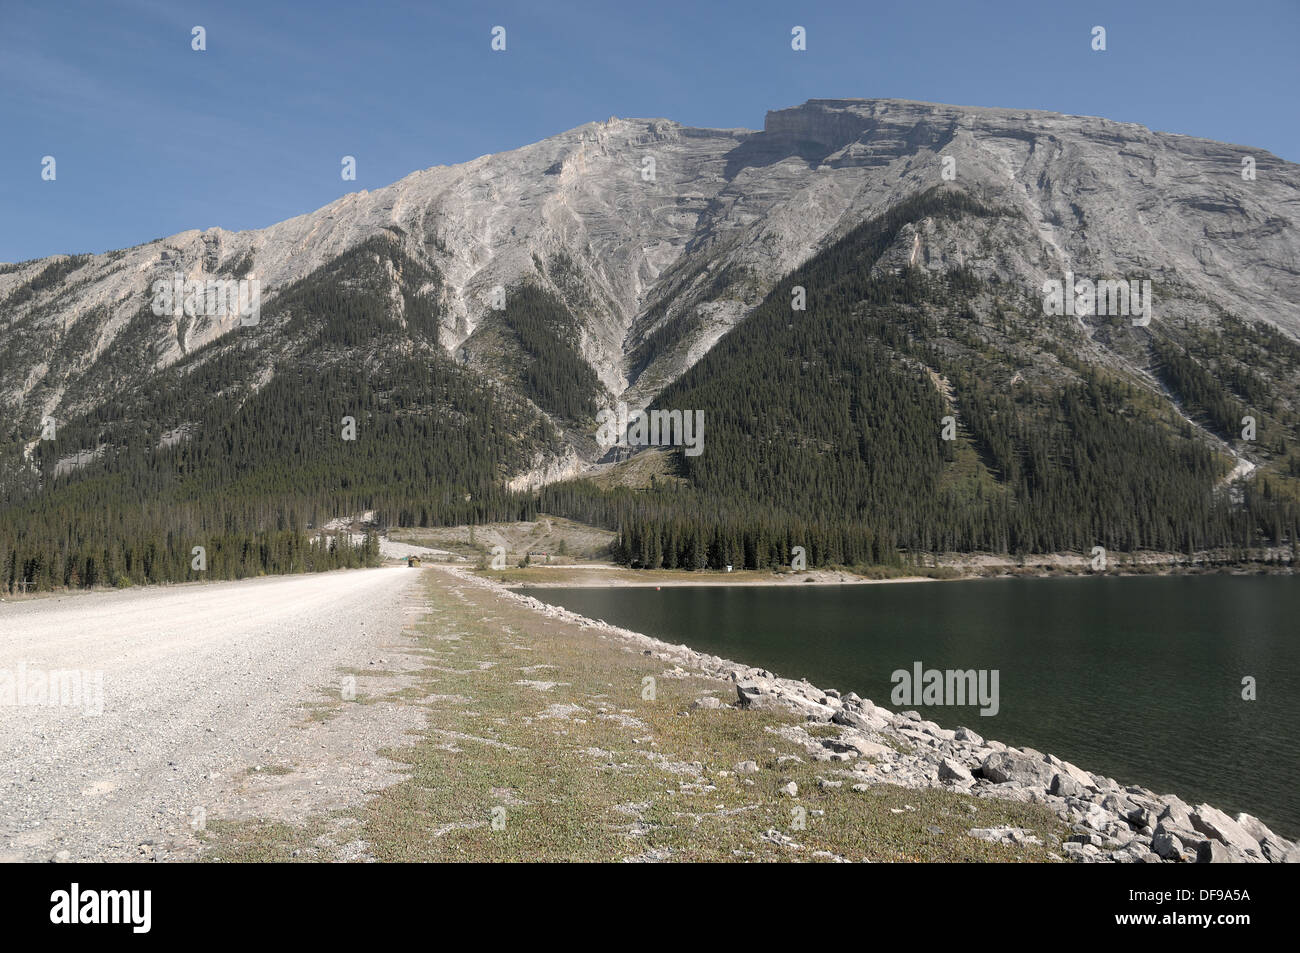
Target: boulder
(1065, 786)
(1139, 816)
(1003, 766)
(955, 771)
(1082, 853)
(1104, 784)
(934, 731)
(1167, 845)
(1273, 846)
(1118, 804)
(867, 749)
(811, 709)
(1216, 825)
(1009, 791)
(1097, 818)
(756, 695)
(1004, 835)
(917, 737)
(1214, 852)
(1176, 815)
(866, 719)
(968, 736)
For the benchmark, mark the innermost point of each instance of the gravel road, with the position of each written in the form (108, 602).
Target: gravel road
(199, 683)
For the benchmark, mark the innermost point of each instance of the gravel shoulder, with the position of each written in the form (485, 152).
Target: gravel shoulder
(209, 699)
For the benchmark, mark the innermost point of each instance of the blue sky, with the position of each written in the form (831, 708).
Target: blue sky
(151, 138)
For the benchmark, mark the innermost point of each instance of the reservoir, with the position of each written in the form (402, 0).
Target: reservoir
(1136, 678)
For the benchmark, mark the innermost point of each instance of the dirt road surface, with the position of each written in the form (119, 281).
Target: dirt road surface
(201, 686)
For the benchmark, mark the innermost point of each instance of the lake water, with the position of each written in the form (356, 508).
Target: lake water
(1137, 678)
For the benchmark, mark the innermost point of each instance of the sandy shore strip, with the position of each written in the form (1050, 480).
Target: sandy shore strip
(597, 576)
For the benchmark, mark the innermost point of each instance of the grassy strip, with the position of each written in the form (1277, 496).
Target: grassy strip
(542, 726)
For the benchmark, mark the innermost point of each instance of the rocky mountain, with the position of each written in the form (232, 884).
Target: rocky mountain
(606, 262)
(636, 224)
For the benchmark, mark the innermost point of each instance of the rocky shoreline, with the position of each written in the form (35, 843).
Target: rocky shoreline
(1109, 822)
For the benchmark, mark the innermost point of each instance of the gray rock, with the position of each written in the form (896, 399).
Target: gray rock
(1215, 824)
(756, 695)
(1214, 852)
(955, 772)
(965, 734)
(1003, 766)
(1081, 853)
(1273, 846)
(1117, 804)
(1065, 786)
(1139, 818)
(864, 719)
(917, 737)
(934, 731)
(747, 767)
(1176, 815)
(1004, 835)
(1097, 818)
(865, 748)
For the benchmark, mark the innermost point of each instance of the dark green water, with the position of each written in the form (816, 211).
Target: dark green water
(1137, 678)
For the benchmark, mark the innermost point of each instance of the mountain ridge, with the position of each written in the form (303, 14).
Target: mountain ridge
(605, 263)
(694, 218)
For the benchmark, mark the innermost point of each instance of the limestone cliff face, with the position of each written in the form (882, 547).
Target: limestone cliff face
(636, 223)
